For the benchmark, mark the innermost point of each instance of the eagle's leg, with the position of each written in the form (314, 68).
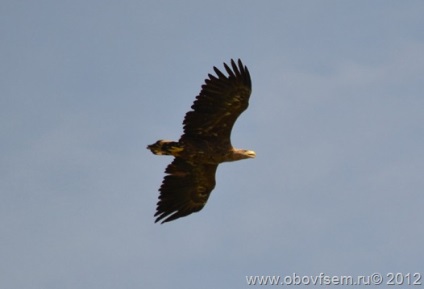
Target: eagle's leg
(165, 147)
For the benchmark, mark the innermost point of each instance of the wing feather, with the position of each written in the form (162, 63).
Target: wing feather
(185, 189)
(221, 101)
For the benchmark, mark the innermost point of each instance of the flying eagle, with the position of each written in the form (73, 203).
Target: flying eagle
(204, 144)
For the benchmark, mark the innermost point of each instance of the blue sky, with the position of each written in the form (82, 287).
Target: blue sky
(336, 120)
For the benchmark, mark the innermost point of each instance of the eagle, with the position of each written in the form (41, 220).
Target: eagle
(205, 143)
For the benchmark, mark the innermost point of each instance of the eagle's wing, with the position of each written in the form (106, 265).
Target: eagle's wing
(185, 189)
(221, 100)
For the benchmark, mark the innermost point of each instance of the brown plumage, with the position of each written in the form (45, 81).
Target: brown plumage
(204, 144)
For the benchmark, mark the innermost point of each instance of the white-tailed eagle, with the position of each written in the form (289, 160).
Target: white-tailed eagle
(204, 144)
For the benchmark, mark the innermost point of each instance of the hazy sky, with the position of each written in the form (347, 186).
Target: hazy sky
(336, 118)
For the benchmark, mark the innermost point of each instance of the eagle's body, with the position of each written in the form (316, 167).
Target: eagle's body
(205, 143)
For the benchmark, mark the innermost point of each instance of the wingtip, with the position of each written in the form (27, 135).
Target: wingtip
(164, 218)
(157, 221)
(159, 218)
(240, 64)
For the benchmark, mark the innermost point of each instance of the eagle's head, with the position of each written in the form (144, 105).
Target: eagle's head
(239, 154)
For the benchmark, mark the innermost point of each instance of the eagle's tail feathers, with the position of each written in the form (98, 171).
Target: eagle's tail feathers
(165, 147)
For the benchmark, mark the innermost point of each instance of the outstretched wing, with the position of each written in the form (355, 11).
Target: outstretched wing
(185, 189)
(220, 102)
